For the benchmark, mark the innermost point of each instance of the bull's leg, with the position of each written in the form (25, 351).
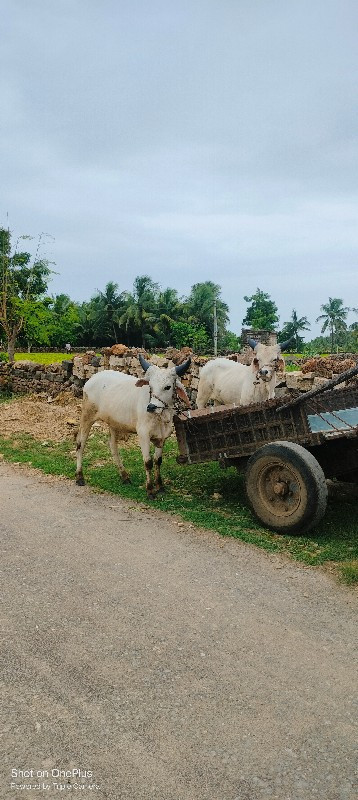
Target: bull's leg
(158, 485)
(113, 443)
(204, 394)
(87, 419)
(144, 443)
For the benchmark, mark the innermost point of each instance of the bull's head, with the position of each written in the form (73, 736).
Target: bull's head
(267, 359)
(163, 384)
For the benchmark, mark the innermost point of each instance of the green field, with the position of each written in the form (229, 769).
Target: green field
(43, 358)
(54, 358)
(190, 494)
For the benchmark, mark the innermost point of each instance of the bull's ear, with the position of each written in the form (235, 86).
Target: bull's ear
(255, 364)
(281, 364)
(142, 382)
(183, 395)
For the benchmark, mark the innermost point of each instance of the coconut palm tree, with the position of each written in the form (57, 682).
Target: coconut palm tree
(199, 308)
(293, 327)
(86, 329)
(109, 304)
(169, 311)
(140, 314)
(334, 317)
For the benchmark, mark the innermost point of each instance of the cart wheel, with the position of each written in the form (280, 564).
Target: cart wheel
(286, 487)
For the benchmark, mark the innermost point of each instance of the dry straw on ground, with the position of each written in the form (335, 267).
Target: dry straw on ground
(34, 414)
(47, 418)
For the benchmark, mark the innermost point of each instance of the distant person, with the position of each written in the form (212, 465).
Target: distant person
(68, 347)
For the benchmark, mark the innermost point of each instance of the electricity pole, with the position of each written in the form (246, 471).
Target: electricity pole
(215, 331)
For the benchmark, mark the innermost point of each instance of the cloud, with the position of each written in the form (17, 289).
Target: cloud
(190, 141)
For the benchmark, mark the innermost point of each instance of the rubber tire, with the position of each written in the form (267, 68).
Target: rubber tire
(312, 478)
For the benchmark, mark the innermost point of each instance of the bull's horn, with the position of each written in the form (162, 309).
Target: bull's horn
(284, 345)
(181, 368)
(252, 343)
(144, 364)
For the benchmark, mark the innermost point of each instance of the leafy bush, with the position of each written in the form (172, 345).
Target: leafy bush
(230, 342)
(4, 357)
(184, 334)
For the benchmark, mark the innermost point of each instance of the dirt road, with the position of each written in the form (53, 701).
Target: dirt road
(167, 663)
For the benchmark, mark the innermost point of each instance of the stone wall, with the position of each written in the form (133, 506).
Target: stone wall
(27, 376)
(126, 360)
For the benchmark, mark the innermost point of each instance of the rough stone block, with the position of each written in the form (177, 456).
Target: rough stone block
(304, 385)
(115, 361)
(79, 373)
(67, 366)
(317, 382)
(292, 379)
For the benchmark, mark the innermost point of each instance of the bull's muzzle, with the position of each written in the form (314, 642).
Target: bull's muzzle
(265, 374)
(152, 408)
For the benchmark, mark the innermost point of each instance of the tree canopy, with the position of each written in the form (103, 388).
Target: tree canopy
(148, 316)
(262, 313)
(23, 281)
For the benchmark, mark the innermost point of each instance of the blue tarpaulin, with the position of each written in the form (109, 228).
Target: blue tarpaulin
(328, 420)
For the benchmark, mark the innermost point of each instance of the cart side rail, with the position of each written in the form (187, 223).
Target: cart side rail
(228, 432)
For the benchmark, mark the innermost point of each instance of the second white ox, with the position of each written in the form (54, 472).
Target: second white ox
(228, 382)
(129, 405)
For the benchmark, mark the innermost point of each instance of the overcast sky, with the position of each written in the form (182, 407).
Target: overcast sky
(190, 140)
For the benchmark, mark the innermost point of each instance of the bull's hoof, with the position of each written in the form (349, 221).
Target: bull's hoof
(126, 479)
(161, 489)
(80, 481)
(151, 495)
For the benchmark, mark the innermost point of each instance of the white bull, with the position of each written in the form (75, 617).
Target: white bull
(128, 405)
(228, 382)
